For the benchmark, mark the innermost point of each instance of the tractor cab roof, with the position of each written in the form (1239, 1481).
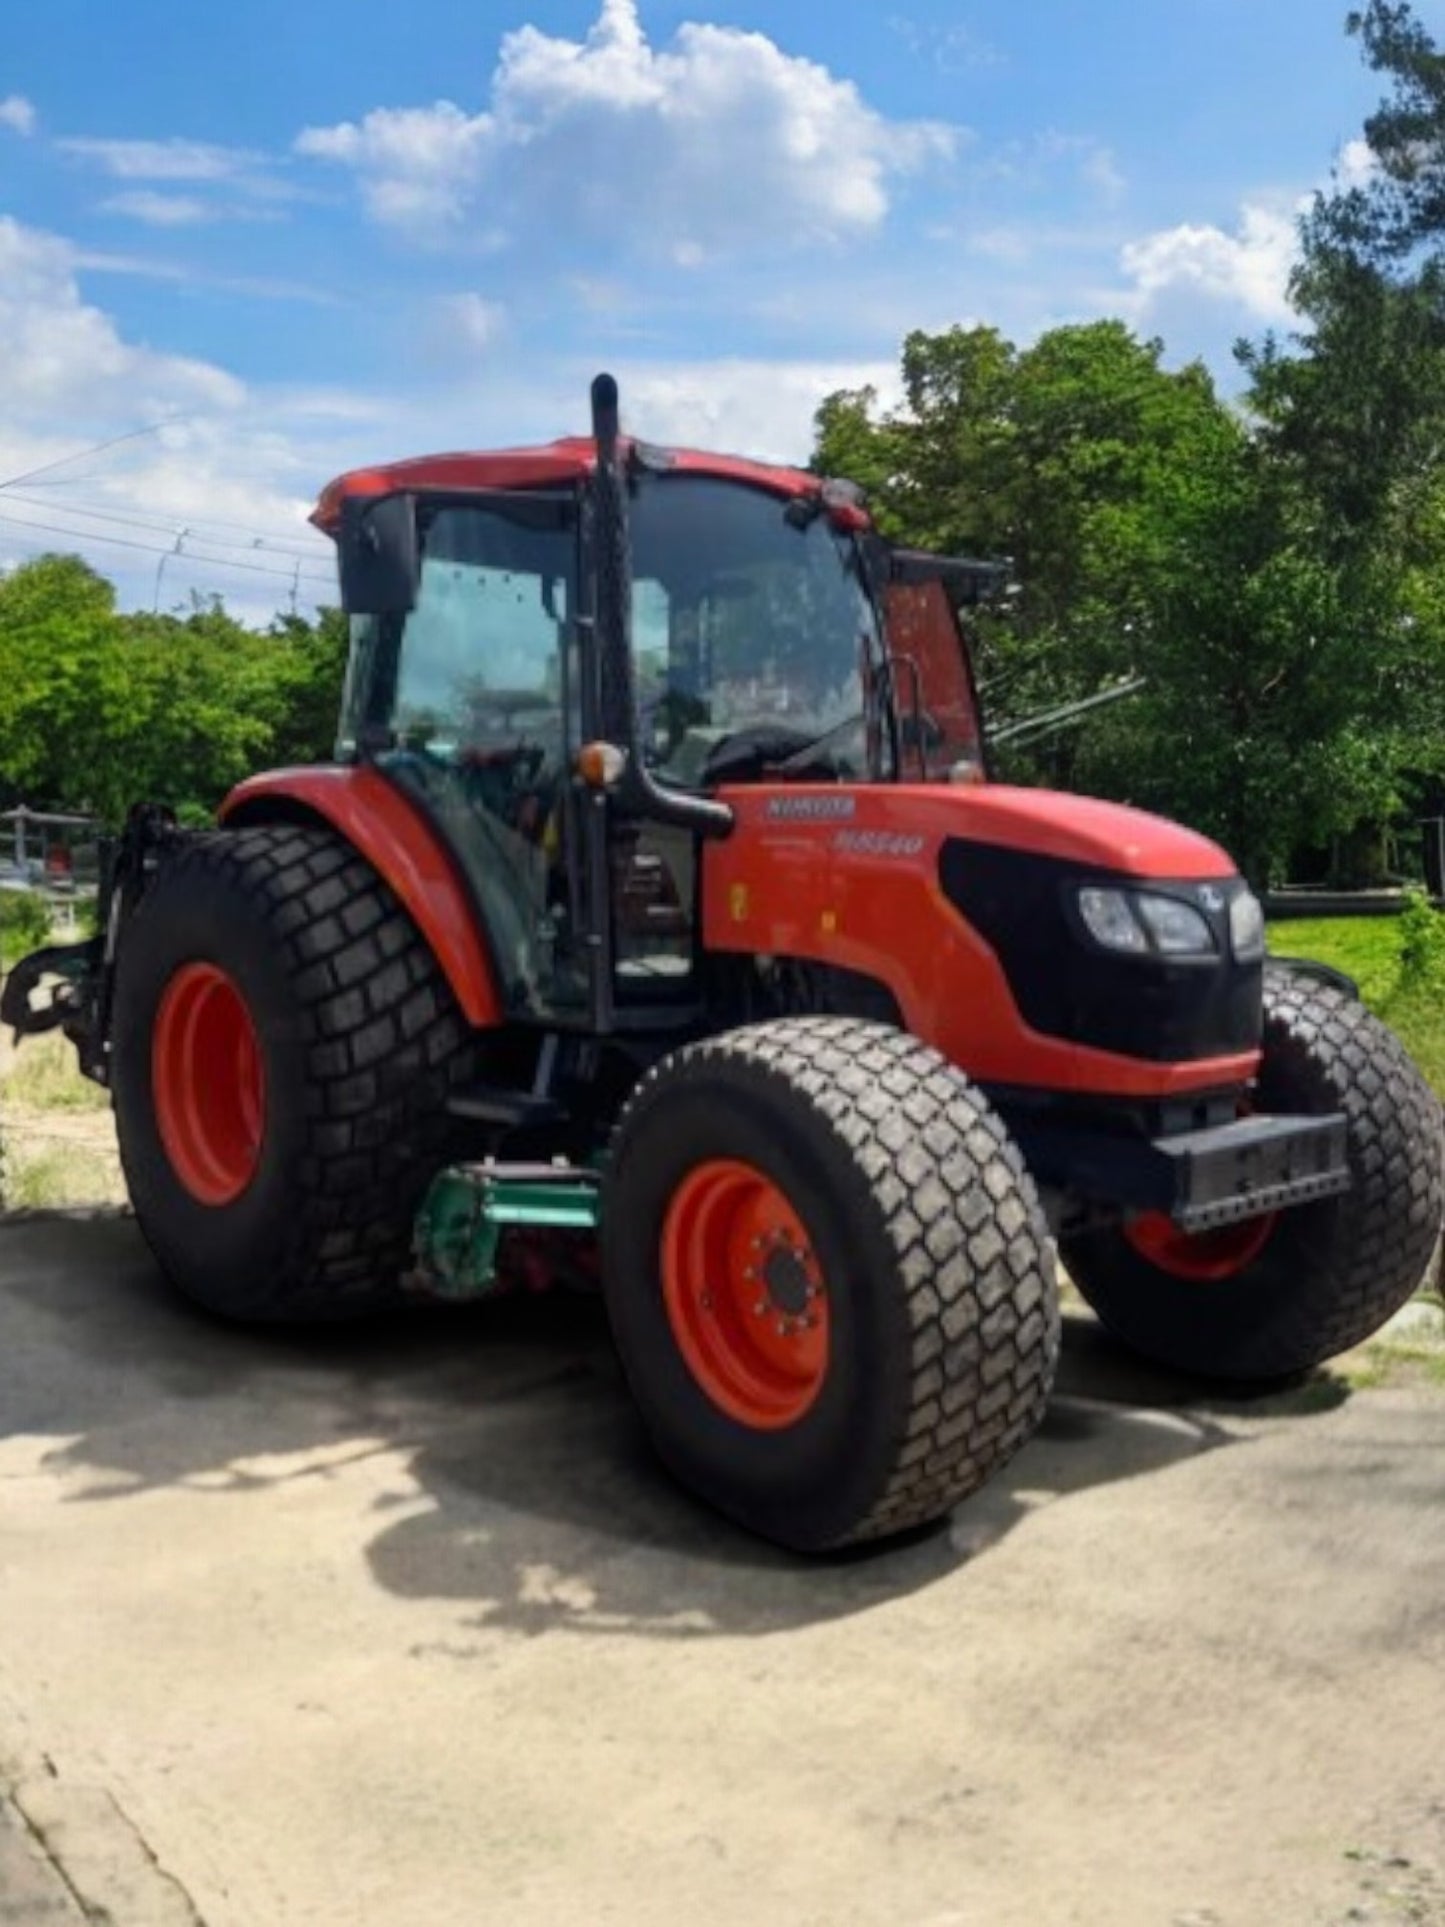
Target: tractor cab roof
(560, 462)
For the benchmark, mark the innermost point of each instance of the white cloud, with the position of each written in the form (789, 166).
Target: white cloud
(716, 139)
(1356, 166)
(159, 210)
(62, 356)
(471, 322)
(1092, 162)
(196, 448)
(418, 163)
(1249, 268)
(215, 504)
(254, 287)
(760, 408)
(18, 114)
(1049, 166)
(253, 190)
(185, 210)
(950, 49)
(168, 160)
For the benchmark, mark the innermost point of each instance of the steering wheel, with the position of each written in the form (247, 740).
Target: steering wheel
(498, 708)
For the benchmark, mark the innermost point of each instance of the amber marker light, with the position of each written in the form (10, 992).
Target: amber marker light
(600, 765)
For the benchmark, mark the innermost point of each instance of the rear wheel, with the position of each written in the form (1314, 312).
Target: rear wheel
(829, 1279)
(284, 1047)
(1279, 1293)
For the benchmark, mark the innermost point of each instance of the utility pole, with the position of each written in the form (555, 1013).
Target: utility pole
(181, 535)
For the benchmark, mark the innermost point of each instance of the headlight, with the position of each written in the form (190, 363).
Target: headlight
(1139, 923)
(1177, 929)
(1246, 927)
(1111, 922)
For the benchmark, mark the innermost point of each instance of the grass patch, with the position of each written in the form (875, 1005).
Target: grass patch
(55, 1178)
(1416, 1019)
(39, 1183)
(1385, 1362)
(1365, 948)
(44, 1076)
(1409, 1351)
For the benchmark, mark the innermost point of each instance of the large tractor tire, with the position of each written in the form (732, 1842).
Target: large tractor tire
(284, 1047)
(1275, 1295)
(829, 1279)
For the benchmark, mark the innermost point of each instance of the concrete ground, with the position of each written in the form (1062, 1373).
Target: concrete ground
(402, 1627)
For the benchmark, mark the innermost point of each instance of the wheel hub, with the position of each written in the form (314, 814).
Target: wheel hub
(744, 1294)
(790, 1289)
(1203, 1257)
(208, 1083)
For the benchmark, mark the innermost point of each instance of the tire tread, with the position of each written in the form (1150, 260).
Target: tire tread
(961, 1221)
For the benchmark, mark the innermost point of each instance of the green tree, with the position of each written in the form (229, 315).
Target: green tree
(99, 710)
(1094, 469)
(1352, 414)
(67, 703)
(1153, 536)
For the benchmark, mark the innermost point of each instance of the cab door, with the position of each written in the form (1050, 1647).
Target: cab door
(471, 702)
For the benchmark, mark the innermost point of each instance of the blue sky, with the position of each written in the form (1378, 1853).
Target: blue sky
(304, 237)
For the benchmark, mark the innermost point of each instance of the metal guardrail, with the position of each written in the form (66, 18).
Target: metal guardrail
(39, 843)
(1280, 906)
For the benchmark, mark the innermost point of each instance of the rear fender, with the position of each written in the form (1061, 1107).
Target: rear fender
(396, 840)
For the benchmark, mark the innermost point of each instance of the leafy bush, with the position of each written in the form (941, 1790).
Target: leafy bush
(24, 923)
(1421, 944)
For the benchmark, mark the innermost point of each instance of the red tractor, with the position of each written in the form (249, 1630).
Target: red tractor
(657, 922)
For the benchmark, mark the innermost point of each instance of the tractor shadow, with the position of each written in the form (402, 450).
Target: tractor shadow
(525, 1489)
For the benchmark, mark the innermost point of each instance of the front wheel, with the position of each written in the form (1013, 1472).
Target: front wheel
(1277, 1294)
(829, 1279)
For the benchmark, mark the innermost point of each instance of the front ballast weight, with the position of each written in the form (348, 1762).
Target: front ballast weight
(458, 1248)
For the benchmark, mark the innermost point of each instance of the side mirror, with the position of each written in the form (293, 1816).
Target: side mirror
(379, 554)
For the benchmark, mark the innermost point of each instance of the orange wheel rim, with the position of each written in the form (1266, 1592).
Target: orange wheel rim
(208, 1083)
(745, 1295)
(1204, 1257)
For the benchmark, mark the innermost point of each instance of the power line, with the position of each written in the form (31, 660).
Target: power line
(153, 548)
(210, 521)
(63, 461)
(274, 545)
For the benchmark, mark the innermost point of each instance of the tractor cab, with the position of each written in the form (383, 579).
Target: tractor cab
(566, 685)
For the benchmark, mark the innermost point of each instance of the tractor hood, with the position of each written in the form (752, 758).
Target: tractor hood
(913, 823)
(1080, 830)
(986, 913)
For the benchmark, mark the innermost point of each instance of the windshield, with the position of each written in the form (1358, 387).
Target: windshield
(754, 638)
